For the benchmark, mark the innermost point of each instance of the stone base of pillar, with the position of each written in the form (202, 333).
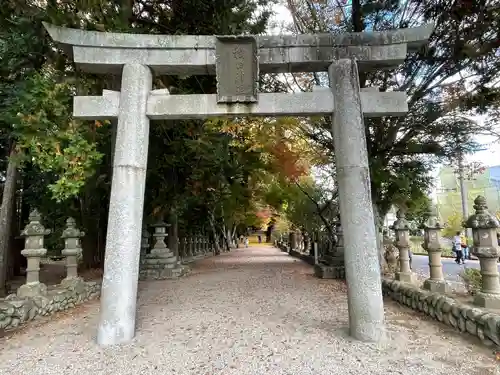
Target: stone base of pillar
(439, 286)
(32, 290)
(324, 271)
(489, 301)
(406, 277)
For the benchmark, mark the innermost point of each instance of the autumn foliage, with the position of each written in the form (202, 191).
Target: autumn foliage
(288, 162)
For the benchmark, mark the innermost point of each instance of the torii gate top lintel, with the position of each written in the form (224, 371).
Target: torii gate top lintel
(107, 52)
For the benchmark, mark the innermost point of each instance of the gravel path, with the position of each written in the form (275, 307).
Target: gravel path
(253, 311)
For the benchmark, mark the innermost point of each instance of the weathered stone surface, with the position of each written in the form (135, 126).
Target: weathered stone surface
(32, 290)
(99, 52)
(171, 107)
(124, 231)
(464, 318)
(237, 69)
(323, 271)
(16, 310)
(366, 310)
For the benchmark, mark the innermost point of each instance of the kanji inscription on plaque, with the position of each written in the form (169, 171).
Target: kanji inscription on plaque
(237, 69)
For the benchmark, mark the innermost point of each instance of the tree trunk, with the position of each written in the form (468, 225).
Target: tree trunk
(173, 236)
(214, 231)
(14, 264)
(6, 209)
(380, 239)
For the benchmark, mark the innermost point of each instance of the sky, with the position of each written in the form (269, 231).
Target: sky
(488, 157)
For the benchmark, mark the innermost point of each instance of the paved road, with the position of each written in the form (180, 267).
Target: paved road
(451, 270)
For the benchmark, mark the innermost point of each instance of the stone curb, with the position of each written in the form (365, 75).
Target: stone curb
(15, 311)
(464, 318)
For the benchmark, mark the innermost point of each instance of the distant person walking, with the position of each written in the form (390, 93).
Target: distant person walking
(465, 248)
(260, 238)
(246, 241)
(457, 248)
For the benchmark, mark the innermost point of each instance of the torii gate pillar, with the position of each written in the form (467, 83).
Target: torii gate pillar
(121, 263)
(364, 291)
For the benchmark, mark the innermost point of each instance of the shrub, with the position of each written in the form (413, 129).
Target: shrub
(472, 279)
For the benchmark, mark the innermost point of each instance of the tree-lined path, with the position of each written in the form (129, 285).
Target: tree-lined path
(250, 311)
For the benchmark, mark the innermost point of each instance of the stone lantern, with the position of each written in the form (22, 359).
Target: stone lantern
(189, 249)
(401, 229)
(332, 264)
(72, 248)
(432, 244)
(198, 250)
(161, 262)
(484, 227)
(34, 234)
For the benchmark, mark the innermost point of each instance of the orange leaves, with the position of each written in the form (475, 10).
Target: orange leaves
(288, 162)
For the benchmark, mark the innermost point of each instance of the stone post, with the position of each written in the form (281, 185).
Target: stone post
(211, 246)
(33, 233)
(199, 246)
(307, 243)
(123, 239)
(316, 255)
(364, 291)
(190, 249)
(484, 227)
(72, 249)
(205, 246)
(432, 244)
(339, 255)
(196, 248)
(402, 230)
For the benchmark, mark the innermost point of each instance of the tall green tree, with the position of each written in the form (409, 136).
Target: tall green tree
(462, 54)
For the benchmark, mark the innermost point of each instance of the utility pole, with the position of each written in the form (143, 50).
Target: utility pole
(463, 191)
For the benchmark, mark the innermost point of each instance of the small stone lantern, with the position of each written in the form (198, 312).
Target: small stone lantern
(401, 229)
(432, 244)
(161, 262)
(72, 248)
(34, 234)
(484, 226)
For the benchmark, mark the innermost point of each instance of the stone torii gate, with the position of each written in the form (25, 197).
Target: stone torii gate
(237, 62)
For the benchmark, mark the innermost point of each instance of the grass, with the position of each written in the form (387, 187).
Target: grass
(472, 279)
(416, 248)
